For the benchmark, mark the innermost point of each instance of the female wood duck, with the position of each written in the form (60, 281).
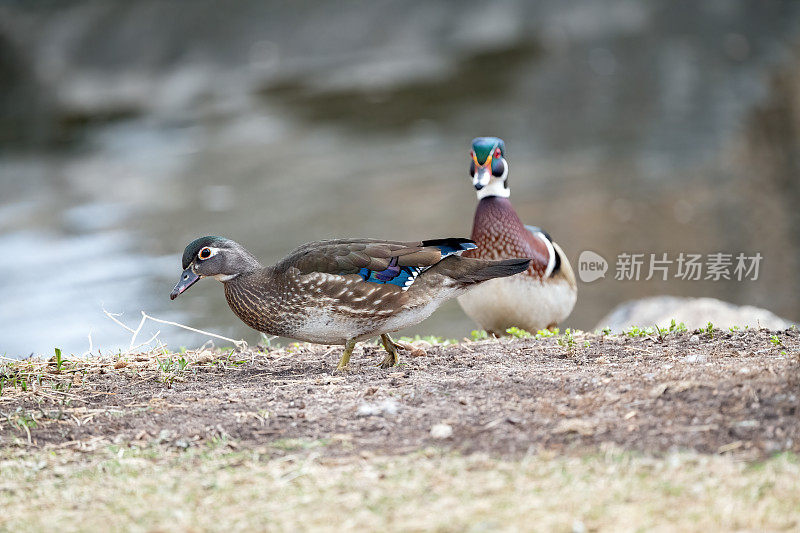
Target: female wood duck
(341, 291)
(545, 294)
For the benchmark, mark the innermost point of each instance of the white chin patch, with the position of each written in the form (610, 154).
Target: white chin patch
(496, 187)
(225, 277)
(478, 181)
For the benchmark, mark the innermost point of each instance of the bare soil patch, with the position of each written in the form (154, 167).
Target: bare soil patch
(733, 392)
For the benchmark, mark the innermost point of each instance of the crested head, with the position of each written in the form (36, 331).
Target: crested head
(194, 247)
(488, 167)
(215, 257)
(485, 146)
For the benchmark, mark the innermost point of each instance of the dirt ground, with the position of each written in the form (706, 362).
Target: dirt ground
(720, 392)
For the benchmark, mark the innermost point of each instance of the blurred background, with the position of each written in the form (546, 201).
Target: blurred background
(129, 128)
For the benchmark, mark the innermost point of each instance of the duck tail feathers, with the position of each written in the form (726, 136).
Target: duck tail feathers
(472, 271)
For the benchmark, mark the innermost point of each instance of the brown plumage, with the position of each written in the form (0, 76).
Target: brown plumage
(341, 291)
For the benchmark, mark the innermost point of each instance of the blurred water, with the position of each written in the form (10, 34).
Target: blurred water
(628, 126)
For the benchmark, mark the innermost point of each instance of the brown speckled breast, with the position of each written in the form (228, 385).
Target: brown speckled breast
(499, 234)
(254, 301)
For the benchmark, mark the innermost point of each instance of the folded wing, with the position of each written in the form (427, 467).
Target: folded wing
(376, 261)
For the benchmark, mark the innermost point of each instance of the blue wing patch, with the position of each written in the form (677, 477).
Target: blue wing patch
(404, 276)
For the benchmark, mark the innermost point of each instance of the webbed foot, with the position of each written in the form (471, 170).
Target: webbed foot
(391, 359)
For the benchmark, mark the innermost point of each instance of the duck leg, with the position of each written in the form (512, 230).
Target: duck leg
(348, 351)
(391, 358)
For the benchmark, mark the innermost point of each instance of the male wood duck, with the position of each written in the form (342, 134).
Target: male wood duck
(545, 294)
(341, 291)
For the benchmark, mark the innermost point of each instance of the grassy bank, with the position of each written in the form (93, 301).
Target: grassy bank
(215, 488)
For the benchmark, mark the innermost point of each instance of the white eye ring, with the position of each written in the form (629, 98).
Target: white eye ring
(206, 252)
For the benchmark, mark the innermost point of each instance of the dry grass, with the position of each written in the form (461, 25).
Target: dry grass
(157, 489)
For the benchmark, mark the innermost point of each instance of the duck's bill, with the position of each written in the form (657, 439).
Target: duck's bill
(188, 278)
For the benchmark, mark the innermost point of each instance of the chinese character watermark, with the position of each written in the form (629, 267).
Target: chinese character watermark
(716, 266)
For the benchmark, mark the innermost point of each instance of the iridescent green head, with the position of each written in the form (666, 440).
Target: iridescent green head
(488, 168)
(483, 147)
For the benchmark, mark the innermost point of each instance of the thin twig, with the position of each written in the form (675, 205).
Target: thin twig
(135, 333)
(239, 343)
(131, 349)
(113, 317)
(91, 346)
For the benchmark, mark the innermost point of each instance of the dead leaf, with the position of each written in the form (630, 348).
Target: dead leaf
(658, 390)
(730, 447)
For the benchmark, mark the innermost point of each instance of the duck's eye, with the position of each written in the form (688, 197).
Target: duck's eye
(497, 153)
(204, 253)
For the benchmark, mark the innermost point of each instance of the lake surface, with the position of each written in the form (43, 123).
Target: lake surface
(626, 131)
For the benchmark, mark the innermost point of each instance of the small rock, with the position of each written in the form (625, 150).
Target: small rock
(206, 357)
(163, 436)
(575, 425)
(744, 370)
(417, 349)
(441, 431)
(418, 352)
(694, 339)
(386, 407)
(695, 358)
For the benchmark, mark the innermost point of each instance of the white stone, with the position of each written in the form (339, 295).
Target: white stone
(384, 408)
(441, 431)
(693, 312)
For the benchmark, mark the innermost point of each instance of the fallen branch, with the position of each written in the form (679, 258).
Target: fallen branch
(145, 317)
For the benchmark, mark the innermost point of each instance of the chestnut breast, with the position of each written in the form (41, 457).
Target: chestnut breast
(500, 234)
